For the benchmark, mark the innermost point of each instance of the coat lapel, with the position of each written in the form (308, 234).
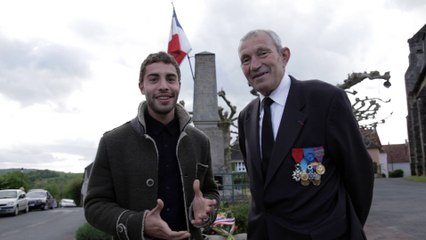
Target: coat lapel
(291, 124)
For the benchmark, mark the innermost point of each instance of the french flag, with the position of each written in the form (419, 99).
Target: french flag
(179, 45)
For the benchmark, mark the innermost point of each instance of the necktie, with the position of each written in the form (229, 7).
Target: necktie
(267, 134)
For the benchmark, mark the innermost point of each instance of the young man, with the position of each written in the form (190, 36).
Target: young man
(311, 177)
(152, 176)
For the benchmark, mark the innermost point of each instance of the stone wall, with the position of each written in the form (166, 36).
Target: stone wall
(415, 84)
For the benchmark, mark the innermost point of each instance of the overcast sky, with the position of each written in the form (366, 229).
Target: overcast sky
(69, 69)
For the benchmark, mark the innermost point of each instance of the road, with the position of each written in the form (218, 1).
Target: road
(398, 210)
(56, 224)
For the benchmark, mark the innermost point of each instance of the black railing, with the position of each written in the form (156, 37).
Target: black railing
(233, 187)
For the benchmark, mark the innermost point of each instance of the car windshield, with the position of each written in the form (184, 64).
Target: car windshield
(36, 194)
(8, 194)
(68, 200)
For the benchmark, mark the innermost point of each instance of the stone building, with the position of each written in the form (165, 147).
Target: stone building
(415, 86)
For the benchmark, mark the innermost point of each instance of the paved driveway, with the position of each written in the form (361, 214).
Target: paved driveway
(398, 210)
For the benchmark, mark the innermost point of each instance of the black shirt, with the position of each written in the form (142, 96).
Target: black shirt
(169, 177)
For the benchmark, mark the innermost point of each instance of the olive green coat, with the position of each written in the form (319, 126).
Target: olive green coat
(123, 183)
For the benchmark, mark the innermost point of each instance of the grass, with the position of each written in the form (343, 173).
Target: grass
(417, 178)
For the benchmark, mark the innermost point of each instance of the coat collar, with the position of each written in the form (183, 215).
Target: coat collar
(182, 115)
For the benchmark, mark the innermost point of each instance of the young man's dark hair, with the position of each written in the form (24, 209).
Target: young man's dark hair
(159, 57)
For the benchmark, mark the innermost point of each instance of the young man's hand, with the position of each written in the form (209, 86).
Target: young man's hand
(201, 206)
(156, 227)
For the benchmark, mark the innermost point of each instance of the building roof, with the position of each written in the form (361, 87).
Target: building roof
(420, 35)
(235, 151)
(397, 153)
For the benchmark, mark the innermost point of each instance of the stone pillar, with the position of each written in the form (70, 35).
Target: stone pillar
(205, 107)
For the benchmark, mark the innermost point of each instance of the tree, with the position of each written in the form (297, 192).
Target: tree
(73, 190)
(366, 109)
(355, 78)
(53, 189)
(226, 120)
(14, 180)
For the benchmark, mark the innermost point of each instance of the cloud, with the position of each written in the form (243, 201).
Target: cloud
(92, 31)
(85, 59)
(406, 5)
(39, 71)
(325, 41)
(66, 155)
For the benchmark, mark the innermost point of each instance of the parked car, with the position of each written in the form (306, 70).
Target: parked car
(40, 199)
(13, 201)
(67, 203)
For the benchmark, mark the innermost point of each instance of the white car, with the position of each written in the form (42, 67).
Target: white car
(13, 201)
(67, 203)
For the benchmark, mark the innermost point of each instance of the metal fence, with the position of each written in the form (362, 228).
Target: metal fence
(233, 187)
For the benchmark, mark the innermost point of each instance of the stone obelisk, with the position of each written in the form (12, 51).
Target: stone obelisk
(205, 107)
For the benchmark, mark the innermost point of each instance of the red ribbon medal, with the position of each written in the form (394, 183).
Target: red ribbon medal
(297, 154)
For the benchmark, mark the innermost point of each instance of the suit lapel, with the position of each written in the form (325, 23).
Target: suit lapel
(252, 137)
(291, 124)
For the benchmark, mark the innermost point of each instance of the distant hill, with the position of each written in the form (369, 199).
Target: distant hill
(60, 184)
(36, 175)
(26, 170)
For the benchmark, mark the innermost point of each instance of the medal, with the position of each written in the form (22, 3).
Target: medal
(316, 182)
(297, 154)
(309, 155)
(319, 155)
(316, 177)
(297, 174)
(305, 183)
(304, 176)
(308, 165)
(320, 169)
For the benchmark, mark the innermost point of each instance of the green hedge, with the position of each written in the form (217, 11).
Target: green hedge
(397, 173)
(87, 232)
(240, 212)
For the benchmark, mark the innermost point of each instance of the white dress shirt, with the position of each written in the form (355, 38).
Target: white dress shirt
(279, 95)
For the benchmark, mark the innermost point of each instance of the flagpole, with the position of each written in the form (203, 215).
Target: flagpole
(187, 54)
(190, 66)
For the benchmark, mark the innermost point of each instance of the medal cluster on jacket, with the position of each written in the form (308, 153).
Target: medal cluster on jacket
(308, 167)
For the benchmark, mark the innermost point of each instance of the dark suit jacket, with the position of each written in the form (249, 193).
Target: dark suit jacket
(316, 114)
